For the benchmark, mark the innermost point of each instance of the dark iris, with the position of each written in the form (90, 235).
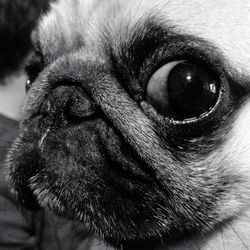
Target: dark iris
(192, 90)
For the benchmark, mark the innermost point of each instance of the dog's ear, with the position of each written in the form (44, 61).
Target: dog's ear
(18, 18)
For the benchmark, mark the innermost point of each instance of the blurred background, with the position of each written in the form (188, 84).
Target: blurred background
(17, 19)
(12, 91)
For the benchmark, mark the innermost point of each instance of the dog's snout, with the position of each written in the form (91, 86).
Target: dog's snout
(66, 105)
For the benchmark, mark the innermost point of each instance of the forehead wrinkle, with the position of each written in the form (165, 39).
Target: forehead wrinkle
(223, 24)
(69, 24)
(63, 29)
(132, 45)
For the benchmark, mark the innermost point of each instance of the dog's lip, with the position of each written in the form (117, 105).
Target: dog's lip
(128, 176)
(20, 169)
(23, 195)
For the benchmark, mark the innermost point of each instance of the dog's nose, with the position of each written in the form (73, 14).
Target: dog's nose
(66, 105)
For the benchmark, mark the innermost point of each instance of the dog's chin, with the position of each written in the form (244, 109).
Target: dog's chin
(94, 177)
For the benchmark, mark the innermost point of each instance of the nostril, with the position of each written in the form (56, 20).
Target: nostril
(78, 107)
(66, 105)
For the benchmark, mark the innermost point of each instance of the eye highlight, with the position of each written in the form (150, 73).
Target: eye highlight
(183, 90)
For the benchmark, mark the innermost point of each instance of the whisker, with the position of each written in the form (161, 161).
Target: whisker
(243, 243)
(196, 244)
(222, 237)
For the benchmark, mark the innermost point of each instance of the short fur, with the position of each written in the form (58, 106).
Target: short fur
(108, 159)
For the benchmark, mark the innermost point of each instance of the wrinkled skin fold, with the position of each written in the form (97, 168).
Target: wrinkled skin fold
(92, 148)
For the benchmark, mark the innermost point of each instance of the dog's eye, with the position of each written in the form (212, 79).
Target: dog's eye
(33, 68)
(183, 90)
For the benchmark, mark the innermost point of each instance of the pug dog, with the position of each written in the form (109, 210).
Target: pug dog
(136, 119)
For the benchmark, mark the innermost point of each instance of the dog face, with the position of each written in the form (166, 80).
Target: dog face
(136, 118)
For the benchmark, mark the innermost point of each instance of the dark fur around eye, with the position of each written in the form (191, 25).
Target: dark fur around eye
(34, 66)
(151, 46)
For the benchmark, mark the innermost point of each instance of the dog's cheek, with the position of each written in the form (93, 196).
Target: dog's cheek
(234, 158)
(238, 146)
